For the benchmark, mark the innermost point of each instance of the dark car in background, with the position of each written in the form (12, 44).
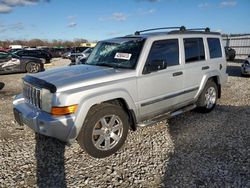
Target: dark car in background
(42, 54)
(230, 53)
(14, 50)
(245, 67)
(58, 52)
(10, 63)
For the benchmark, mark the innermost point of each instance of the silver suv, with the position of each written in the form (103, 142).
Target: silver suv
(126, 82)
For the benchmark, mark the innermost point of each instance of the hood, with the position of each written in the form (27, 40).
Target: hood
(71, 77)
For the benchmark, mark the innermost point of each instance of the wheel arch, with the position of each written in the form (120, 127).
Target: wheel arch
(131, 114)
(212, 76)
(216, 80)
(124, 100)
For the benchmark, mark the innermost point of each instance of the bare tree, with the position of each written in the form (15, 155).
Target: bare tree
(40, 42)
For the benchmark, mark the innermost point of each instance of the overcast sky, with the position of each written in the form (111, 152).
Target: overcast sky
(101, 19)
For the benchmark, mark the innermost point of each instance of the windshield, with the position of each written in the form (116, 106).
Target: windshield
(117, 53)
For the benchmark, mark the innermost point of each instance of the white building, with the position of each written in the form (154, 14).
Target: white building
(15, 46)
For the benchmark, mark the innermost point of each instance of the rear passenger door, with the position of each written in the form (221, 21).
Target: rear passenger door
(159, 91)
(194, 66)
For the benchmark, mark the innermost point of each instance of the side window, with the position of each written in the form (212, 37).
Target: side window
(214, 47)
(194, 49)
(31, 53)
(20, 53)
(39, 52)
(166, 50)
(3, 55)
(25, 52)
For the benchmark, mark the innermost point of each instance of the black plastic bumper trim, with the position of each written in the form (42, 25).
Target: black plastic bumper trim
(169, 96)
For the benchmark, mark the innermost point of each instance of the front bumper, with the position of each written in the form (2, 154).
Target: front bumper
(60, 127)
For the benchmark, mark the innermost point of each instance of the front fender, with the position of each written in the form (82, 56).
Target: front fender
(88, 101)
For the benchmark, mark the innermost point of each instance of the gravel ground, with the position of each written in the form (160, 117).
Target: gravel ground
(190, 150)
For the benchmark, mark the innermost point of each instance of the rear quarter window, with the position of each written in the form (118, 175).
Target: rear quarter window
(214, 47)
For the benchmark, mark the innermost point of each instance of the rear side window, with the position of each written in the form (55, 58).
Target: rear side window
(194, 50)
(19, 53)
(3, 55)
(166, 50)
(32, 53)
(214, 47)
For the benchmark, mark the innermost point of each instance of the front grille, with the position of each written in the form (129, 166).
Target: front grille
(32, 95)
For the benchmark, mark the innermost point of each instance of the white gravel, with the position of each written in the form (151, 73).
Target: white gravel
(190, 150)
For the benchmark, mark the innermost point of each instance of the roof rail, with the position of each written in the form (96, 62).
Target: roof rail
(206, 29)
(182, 28)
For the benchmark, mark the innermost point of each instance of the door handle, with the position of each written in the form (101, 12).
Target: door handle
(205, 68)
(177, 73)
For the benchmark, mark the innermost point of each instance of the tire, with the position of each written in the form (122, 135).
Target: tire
(104, 130)
(2, 85)
(208, 98)
(33, 67)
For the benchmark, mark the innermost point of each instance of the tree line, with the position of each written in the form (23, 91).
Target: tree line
(39, 42)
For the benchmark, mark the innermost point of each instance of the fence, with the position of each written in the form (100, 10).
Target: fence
(241, 44)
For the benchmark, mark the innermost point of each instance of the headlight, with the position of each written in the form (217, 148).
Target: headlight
(46, 99)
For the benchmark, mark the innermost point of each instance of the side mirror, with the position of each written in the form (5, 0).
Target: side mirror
(154, 66)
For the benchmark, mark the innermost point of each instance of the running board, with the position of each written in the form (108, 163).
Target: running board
(166, 116)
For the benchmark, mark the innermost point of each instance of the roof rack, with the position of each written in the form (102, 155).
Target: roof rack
(206, 29)
(182, 28)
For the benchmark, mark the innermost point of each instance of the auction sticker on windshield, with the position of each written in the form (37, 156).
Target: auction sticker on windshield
(125, 56)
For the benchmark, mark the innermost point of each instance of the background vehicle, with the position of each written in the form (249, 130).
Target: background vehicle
(85, 54)
(56, 52)
(230, 53)
(42, 54)
(10, 63)
(13, 50)
(245, 67)
(79, 49)
(76, 57)
(66, 55)
(126, 82)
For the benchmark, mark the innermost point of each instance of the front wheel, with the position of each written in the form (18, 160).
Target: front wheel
(33, 67)
(207, 99)
(104, 130)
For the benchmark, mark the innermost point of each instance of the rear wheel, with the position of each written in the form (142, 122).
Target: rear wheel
(104, 130)
(33, 67)
(207, 99)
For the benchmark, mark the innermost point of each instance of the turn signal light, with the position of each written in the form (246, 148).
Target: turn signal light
(65, 110)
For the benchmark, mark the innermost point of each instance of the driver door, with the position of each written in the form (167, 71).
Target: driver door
(160, 90)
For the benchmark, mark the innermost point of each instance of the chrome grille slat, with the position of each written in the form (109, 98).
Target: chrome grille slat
(32, 95)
